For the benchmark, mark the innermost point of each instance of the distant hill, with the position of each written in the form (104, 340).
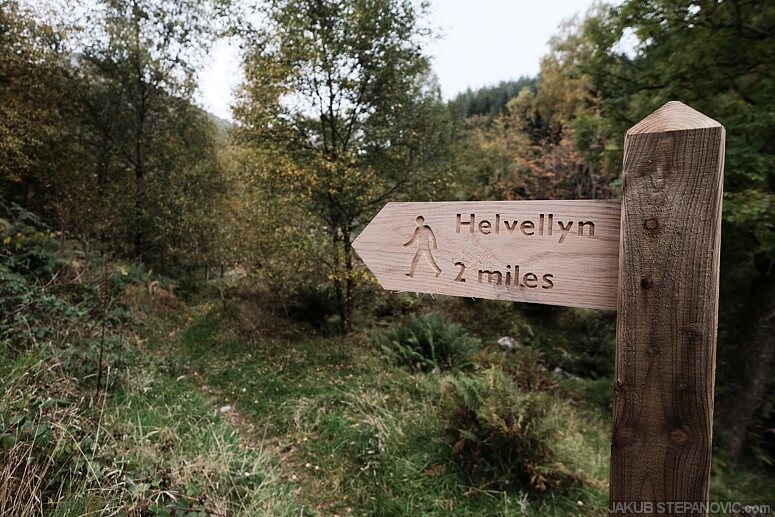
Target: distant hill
(223, 124)
(490, 100)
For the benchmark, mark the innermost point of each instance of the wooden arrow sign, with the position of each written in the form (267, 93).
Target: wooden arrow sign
(552, 252)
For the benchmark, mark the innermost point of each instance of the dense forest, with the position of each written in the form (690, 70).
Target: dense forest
(185, 326)
(490, 100)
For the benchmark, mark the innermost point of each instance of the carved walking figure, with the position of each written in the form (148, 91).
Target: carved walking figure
(426, 240)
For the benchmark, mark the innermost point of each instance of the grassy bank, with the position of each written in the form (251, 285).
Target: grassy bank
(150, 445)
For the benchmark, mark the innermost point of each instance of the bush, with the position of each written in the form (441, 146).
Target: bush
(577, 340)
(27, 246)
(428, 342)
(34, 307)
(51, 295)
(386, 305)
(29, 314)
(504, 436)
(312, 304)
(524, 365)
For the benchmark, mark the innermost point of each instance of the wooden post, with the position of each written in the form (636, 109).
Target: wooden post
(668, 312)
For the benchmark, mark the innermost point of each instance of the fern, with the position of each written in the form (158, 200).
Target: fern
(504, 435)
(428, 342)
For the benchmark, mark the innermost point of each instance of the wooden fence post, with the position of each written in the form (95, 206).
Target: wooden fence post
(668, 313)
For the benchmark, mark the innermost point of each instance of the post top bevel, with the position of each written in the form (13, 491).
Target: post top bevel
(673, 116)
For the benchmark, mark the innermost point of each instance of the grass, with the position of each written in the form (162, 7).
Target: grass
(211, 419)
(156, 445)
(353, 433)
(186, 456)
(356, 433)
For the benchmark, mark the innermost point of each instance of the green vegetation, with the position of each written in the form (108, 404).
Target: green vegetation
(157, 446)
(292, 384)
(490, 101)
(727, 77)
(352, 430)
(199, 410)
(427, 343)
(366, 125)
(91, 418)
(504, 434)
(357, 432)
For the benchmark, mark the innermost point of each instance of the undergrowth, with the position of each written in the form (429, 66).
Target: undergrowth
(505, 436)
(112, 403)
(356, 433)
(428, 342)
(90, 422)
(361, 434)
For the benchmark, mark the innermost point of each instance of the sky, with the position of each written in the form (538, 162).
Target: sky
(480, 43)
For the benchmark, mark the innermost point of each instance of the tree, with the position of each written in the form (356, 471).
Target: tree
(31, 64)
(340, 93)
(716, 56)
(549, 141)
(140, 57)
(98, 135)
(491, 100)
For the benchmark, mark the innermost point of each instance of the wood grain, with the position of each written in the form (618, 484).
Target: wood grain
(668, 308)
(506, 236)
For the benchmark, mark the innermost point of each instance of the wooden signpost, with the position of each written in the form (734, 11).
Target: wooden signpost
(654, 258)
(668, 308)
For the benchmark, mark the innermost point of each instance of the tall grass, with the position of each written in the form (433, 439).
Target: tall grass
(504, 435)
(36, 440)
(157, 446)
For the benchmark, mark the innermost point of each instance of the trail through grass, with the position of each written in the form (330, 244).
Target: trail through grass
(353, 434)
(153, 446)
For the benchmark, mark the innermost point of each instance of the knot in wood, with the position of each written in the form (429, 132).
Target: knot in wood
(625, 436)
(679, 436)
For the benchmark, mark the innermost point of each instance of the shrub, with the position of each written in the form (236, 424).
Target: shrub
(27, 246)
(34, 306)
(503, 435)
(51, 295)
(313, 304)
(188, 285)
(386, 305)
(29, 314)
(591, 343)
(524, 365)
(576, 340)
(428, 342)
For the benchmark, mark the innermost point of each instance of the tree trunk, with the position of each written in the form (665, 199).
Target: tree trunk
(756, 355)
(139, 236)
(343, 287)
(139, 162)
(347, 305)
(340, 305)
